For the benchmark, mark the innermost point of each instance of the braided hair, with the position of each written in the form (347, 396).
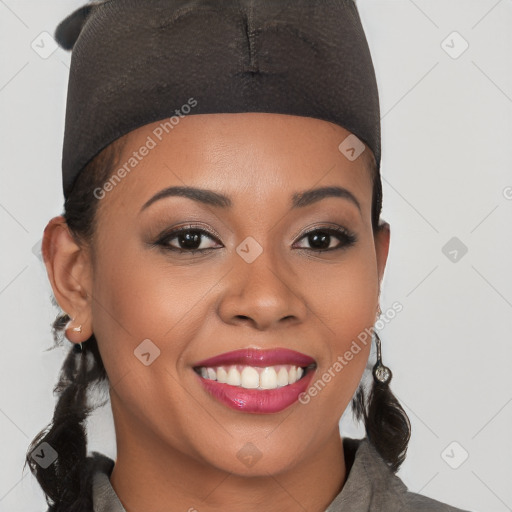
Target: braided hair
(67, 481)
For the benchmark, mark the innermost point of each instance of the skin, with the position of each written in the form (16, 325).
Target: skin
(175, 443)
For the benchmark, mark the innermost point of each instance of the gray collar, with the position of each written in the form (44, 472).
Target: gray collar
(370, 485)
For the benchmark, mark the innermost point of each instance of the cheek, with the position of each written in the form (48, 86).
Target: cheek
(344, 295)
(344, 300)
(139, 296)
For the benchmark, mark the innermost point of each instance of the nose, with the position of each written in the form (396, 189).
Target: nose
(261, 294)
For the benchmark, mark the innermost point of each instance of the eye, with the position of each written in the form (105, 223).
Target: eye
(189, 239)
(320, 239)
(193, 239)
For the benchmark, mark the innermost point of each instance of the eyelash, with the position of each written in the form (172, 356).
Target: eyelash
(346, 238)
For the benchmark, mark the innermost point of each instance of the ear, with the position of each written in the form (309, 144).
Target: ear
(70, 274)
(382, 238)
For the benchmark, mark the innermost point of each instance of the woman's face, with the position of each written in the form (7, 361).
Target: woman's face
(260, 283)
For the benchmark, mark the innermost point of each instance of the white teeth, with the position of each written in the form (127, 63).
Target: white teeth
(268, 378)
(222, 375)
(250, 377)
(234, 377)
(282, 377)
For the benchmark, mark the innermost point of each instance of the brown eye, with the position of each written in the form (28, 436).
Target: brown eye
(187, 240)
(191, 239)
(321, 239)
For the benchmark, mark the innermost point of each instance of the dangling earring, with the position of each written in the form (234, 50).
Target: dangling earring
(386, 423)
(382, 374)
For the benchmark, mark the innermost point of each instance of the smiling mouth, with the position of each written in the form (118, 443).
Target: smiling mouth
(256, 381)
(255, 377)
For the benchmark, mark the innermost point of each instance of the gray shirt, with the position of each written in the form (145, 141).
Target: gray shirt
(370, 486)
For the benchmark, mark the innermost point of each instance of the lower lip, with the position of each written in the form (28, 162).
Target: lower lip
(259, 401)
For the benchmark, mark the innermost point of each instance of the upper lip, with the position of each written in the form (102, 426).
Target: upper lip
(258, 357)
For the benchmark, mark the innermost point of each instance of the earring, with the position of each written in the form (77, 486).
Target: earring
(77, 348)
(382, 374)
(77, 329)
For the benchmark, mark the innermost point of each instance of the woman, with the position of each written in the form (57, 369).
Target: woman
(219, 262)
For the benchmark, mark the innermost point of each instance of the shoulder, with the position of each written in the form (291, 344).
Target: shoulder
(419, 503)
(385, 491)
(404, 500)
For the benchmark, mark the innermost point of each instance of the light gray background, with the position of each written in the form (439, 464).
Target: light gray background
(446, 167)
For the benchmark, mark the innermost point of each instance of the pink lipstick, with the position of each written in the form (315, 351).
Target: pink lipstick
(256, 381)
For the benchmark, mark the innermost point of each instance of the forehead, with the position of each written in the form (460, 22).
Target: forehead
(259, 157)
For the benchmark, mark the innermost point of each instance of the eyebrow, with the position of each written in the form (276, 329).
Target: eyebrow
(209, 197)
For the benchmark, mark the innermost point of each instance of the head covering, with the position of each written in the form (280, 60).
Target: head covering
(135, 62)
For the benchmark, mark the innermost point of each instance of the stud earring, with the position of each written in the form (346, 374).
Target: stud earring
(77, 329)
(382, 374)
